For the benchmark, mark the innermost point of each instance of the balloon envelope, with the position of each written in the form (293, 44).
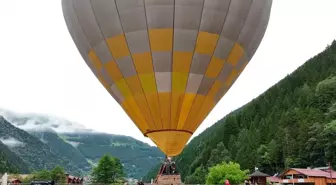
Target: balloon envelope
(167, 62)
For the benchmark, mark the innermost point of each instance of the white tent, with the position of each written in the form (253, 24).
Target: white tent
(4, 179)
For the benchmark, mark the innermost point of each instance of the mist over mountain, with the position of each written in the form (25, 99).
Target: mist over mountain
(12, 142)
(43, 142)
(40, 122)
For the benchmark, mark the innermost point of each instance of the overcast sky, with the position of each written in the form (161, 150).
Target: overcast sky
(41, 70)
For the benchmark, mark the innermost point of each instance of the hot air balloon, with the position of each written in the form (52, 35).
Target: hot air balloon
(167, 62)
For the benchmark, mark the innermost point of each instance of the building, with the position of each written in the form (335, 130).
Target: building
(73, 180)
(302, 176)
(258, 178)
(273, 179)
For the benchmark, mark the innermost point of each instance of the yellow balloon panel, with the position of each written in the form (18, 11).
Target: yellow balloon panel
(170, 142)
(167, 62)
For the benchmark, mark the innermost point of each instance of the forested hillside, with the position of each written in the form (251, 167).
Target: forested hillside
(61, 146)
(10, 162)
(36, 154)
(137, 157)
(42, 144)
(292, 124)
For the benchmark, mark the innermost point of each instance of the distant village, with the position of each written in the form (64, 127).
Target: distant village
(14, 179)
(292, 176)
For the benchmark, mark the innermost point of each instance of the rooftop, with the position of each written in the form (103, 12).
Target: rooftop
(273, 179)
(259, 174)
(313, 172)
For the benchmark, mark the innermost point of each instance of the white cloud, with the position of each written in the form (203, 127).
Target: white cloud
(74, 144)
(12, 142)
(38, 122)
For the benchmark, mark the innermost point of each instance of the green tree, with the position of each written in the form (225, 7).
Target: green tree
(315, 146)
(198, 177)
(329, 134)
(218, 155)
(264, 158)
(274, 155)
(28, 179)
(57, 174)
(246, 153)
(326, 93)
(42, 175)
(108, 170)
(231, 171)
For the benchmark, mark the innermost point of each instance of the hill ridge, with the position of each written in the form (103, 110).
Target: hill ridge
(79, 152)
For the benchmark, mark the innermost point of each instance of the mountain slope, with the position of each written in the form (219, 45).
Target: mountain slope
(137, 157)
(292, 124)
(52, 139)
(35, 153)
(83, 147)
(10, 162)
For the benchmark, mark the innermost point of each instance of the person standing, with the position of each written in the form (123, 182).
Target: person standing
(246, 182)
(227, 182)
